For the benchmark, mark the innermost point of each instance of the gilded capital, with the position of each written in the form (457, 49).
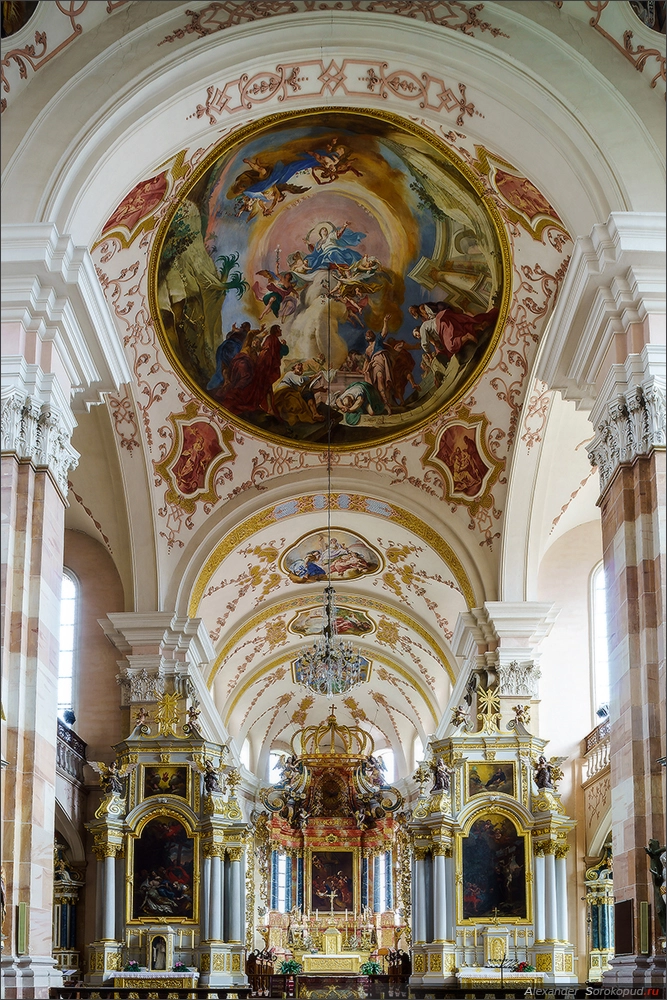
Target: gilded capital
(235, 853)
(561, 850)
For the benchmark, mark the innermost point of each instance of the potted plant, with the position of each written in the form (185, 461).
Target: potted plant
(370, 968)
(180, 967)
(290, 967)
(132, 967)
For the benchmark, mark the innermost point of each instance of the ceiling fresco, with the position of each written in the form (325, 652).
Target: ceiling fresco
(330, 278)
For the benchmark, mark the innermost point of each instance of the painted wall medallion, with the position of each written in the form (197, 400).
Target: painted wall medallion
(163, 871)
(496, 777)
(334, 271)
(198, 450)
(341, 556)
(460, 453)
(348, 622)
(494, 869)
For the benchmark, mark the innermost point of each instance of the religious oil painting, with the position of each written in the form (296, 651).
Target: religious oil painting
(165, 780)
(330, 279)
(332, 881)
(335, 555)
(494, 870)
(495, 777)
(163, 871)
(348, 622)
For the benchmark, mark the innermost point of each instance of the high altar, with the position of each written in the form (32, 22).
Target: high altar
(337, 847)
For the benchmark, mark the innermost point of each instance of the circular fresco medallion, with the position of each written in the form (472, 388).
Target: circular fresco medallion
(330, 273)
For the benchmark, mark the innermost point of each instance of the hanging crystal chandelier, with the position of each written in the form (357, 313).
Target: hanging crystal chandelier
(331, 666)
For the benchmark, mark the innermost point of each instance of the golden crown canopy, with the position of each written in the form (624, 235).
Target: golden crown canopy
(329, 737)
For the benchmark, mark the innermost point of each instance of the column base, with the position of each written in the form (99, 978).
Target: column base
(636, 970)
(556, 960)
(433, 963)
(221, 965)
(29, 976)
(104, 961)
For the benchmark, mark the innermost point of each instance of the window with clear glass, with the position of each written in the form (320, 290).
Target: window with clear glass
(275, 773)
(67, 656)
(600, 649)
(282, 882)
(387, 758)
(245, 754)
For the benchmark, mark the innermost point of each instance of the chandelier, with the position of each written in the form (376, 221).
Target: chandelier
(331, 666)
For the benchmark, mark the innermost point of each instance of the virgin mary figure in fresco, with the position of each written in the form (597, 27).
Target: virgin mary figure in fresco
(333, 246)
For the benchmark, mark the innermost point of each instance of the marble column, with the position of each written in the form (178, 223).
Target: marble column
(450, 899)
(539, 894)
(419, 902)
(388, 881)
(439, 894)
(235, 902)
(299, 881)
(109, 911)
(377, 868)
(364, 881)
(215, 898)
(561, 894)
(550, 897)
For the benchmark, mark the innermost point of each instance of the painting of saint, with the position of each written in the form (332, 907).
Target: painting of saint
(318, 556)
(356, 239)
(494, 869)
(163, 871)
(332, 882)
(348, 622)
(165, 780)
(485, 777)
(200, 446)
(458, 451)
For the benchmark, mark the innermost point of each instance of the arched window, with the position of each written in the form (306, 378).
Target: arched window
(387, 757)
(245, 754)
(69, 599)
(418, 751)
(599, 648)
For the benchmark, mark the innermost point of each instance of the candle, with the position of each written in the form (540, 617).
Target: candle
(474, 937)
(346, 917)
(515, 937)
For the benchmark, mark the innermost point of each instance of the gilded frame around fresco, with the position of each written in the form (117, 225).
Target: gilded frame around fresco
(250, 131)
(130, 842)
(488, 811)
(356, 874)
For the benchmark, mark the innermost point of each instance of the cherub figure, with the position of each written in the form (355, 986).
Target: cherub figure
(194, 712)
(459, 716)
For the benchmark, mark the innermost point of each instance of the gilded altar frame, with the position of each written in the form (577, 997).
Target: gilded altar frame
(356, 874)
(161, 811)
(488, 810)
(507, 765)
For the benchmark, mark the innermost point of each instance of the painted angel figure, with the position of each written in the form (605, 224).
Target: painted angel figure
(332, 246)
(281, 295)
(111, 776)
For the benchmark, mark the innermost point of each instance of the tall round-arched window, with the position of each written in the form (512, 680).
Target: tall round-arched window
(600, 651)
(69, 595)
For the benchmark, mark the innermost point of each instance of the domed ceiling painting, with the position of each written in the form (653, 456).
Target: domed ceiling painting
(330, 273)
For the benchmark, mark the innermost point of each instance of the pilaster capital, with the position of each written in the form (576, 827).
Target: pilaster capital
(420, 853)
(561, 850)
(235, 853)
(441, 850)
(629, 413)
(37, 421)
(213, 850)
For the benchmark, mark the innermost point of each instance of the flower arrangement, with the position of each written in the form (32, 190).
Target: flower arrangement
(524, 967)
(180, 967)
(370, 968)
(290, 967)
(132, 967)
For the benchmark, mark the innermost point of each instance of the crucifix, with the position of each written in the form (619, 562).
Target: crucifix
(331, 895)
(495, 914)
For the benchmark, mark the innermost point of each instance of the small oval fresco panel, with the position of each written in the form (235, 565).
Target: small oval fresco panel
(348, 622)
(339, 555)
(332, 272)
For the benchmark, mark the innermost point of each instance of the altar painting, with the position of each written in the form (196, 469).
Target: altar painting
(332, 881)
(495, 777)
(330, 273)
(162, 869)
(166, 779)
(494, 870)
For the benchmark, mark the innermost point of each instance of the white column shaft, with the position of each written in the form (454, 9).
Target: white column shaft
(539, 897)
(420, 901)
(215, 912)
(235, 900)
(450, 900)
(109, 922)
(439, 897)
(550, 898)
(205, 897)
(561, 893)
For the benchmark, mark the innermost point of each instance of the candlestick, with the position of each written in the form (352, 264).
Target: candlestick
(474, 937)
